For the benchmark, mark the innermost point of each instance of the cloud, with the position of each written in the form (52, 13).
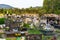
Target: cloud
(22, 3)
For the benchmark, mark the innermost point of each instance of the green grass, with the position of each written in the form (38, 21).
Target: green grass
(58, 38)
(10, 38)
(46, 37)
(57, 30)
(34, 31)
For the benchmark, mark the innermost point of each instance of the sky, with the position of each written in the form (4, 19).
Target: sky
(22, 3)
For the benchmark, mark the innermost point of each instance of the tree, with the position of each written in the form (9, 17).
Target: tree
(52, 6)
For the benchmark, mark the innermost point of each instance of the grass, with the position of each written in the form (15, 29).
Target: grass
(34, 31)
(15, 38)
(11, 38)
(58, 38)
(46, 37)
(57, 30)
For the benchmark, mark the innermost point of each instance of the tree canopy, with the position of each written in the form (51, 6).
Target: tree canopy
(49, 6)
(52, 6)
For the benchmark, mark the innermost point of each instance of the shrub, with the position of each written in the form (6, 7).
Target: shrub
(2, 20)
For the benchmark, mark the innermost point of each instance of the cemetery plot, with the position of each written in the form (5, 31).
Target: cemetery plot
(34, 37)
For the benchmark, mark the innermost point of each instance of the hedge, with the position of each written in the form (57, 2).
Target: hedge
(2, 20)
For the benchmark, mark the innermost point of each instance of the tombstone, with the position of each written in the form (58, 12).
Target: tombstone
(34, 37)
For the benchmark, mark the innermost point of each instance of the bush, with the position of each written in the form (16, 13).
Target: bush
(2, 20)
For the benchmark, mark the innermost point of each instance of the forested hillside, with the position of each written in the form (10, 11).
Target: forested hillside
(49, 6)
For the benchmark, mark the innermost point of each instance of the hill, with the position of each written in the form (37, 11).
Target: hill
(5, 6)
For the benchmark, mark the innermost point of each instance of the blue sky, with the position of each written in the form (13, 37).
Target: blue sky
(22, 3)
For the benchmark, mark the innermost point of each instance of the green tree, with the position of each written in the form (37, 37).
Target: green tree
(52, 6)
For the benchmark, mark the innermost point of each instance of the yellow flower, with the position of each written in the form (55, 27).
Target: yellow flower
(16, 34)
(19, 34)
